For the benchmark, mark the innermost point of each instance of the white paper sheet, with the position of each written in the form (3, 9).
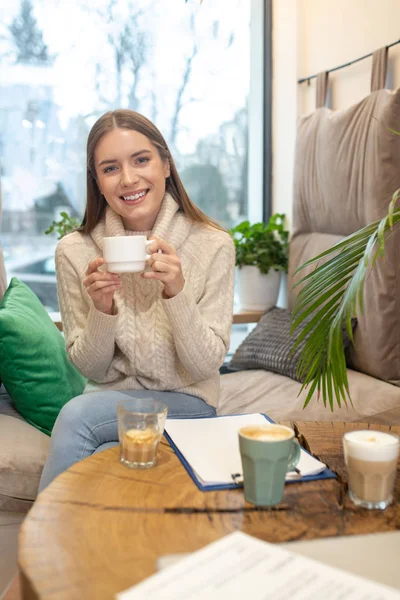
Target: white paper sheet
(211, 447)
(239, 566)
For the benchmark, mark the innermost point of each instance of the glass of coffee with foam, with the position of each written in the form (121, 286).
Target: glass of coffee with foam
(141, 424)
(371, 461)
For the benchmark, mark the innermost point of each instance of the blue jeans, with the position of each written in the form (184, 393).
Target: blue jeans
(88, 424)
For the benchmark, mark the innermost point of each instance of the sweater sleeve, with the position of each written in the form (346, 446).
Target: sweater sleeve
(202, 331)
(89, 333)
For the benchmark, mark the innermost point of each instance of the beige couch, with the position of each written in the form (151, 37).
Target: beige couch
(374, 401)
(346, 170)
(323, 214)
(23, 449)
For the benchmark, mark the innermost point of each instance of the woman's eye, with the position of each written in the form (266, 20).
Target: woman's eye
(142, 160)
(109, 169)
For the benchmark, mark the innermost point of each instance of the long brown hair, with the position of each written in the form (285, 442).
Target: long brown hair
(128, 119)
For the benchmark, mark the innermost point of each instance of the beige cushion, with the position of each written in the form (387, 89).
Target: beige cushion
(16, 505)
(374, 401)
(346, 170)
(23, 452)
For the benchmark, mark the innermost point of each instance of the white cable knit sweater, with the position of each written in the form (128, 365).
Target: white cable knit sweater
(151, 343)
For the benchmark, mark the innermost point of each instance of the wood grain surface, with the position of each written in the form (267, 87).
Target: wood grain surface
(100, 527)
(247, 316)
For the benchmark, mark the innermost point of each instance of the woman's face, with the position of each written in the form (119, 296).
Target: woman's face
(131, 176)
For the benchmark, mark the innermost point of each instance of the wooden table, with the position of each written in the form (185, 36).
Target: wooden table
(247, 316)
(99, 527)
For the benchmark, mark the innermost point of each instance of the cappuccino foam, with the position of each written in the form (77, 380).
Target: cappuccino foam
(267, 433)
(141, 436)
(375, 446)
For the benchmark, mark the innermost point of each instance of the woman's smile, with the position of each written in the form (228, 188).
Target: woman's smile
(134, 198)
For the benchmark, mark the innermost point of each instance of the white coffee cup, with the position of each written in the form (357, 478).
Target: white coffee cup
(126, 253)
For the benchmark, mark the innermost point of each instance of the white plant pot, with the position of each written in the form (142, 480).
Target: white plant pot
(256, 290)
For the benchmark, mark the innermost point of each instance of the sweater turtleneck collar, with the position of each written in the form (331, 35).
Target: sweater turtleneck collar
(171, 224)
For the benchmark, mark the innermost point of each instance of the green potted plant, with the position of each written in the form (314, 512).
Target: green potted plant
(65, 225)
(261, 257)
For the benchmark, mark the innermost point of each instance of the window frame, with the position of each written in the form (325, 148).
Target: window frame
(260, 112)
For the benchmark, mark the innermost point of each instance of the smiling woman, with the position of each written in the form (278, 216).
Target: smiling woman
(162, 333)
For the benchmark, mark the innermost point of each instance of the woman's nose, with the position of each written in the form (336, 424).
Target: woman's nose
(128, 177)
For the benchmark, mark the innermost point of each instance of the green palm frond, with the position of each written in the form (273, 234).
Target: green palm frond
(331, 295)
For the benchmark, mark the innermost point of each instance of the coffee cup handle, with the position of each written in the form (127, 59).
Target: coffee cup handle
(294, 455)
(148, 242)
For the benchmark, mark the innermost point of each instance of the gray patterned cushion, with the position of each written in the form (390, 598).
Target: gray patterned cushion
(269, 345)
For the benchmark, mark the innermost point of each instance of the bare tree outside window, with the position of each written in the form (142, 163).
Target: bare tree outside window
(128, 44)
(27, 38)
(180, 96)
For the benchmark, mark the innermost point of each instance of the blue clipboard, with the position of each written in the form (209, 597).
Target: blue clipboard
(326, 474)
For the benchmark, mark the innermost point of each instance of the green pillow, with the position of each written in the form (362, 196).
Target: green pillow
(34, 366)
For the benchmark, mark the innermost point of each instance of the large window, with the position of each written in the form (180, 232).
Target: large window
(65, 62)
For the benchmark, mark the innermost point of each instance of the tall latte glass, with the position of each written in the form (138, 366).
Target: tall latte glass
(141, 424)
(371, 460)
(268, 452)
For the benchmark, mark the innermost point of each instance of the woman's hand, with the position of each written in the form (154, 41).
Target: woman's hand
(166, 267)
(101, 286)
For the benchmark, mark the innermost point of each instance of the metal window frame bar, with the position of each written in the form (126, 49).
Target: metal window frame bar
(267, 116)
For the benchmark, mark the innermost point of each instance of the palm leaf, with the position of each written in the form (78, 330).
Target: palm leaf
(331, 294)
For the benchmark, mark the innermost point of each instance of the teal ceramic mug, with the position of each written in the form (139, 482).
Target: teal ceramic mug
(268, 452)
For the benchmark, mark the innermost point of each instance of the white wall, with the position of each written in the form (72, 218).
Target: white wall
(310, 36)
(284, 102)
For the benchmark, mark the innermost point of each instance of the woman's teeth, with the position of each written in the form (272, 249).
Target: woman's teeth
(135, 197)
